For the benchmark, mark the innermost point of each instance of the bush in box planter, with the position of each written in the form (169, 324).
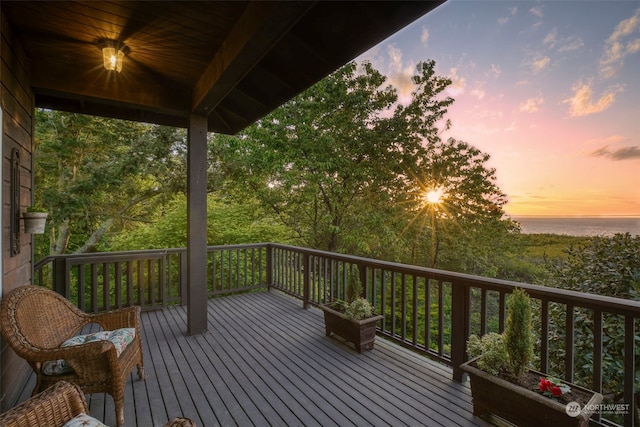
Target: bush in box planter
(354, 319)
(501, 381)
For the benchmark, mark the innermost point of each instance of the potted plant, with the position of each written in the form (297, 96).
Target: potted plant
(352, 319)
(35, 219)
(502, 383)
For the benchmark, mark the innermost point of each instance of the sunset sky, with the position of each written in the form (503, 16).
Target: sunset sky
(550, 89)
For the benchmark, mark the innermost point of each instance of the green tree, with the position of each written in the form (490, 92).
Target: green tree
(343, 164)
(464, 229)
(228, 223)
(97, 175)
(316, 161)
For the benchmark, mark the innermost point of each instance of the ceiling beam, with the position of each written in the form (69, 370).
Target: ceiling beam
(146, 93)
(257, 31)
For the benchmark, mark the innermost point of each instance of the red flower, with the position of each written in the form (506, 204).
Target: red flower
(552, 387)
(545, 385)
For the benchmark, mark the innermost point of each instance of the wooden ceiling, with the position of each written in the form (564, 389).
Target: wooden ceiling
(231, 61)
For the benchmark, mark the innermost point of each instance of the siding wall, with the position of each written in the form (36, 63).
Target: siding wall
(17, 103)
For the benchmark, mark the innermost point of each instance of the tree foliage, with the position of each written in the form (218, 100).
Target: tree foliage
(227, 223)
(517, 333)
(603, 266)
(97, 175)
(345, 166)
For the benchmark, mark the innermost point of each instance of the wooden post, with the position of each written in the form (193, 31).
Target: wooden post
(61, 277)
(459, 327)
(197, 225)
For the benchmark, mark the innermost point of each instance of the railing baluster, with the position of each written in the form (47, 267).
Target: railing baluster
(568, 343)
(81, 288)
(246, 268)
(106, 285)
(163, 278)
(414, 311)
(403, 307)
(118, 283)
(140, 282)
(151, 282)
(427, 311)
(94, 287)
(374, 286)
(596, 381)
(306, 281)
(544, 336)
(483, 311)
(383, 298)
(440, 318)
(183, 277)
(629, 382)
(130, 283)
(296, 276)
(502, 310)
(230, 269)
(393, 304)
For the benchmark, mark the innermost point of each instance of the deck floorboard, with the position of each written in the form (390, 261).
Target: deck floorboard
(265, 361)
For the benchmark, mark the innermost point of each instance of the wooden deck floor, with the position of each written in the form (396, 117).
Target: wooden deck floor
(266, 362)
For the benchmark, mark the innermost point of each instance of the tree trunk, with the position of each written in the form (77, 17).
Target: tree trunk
(59, 243)
(95, 237)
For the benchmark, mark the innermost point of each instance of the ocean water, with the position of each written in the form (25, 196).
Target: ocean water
(582, 226)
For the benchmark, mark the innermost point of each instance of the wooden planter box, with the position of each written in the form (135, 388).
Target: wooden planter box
(362, 333)
(520, 406)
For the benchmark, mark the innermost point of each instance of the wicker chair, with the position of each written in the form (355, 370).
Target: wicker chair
(36, 321)
(51, 408)
(56, 406)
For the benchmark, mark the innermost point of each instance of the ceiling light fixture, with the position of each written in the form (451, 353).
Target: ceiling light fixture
(113, 53)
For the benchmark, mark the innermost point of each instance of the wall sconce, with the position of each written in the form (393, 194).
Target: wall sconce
(113, 53)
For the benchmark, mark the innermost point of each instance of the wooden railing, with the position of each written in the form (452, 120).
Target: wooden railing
(430, 311)
(150, 278)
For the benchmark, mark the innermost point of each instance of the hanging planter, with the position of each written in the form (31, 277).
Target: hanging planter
(34, 221)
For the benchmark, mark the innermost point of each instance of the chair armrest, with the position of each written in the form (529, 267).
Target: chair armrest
(123, 318)
(53, 407)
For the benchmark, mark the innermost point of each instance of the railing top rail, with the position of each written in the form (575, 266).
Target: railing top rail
(579, 299)
(138, 254)
(44, 261)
